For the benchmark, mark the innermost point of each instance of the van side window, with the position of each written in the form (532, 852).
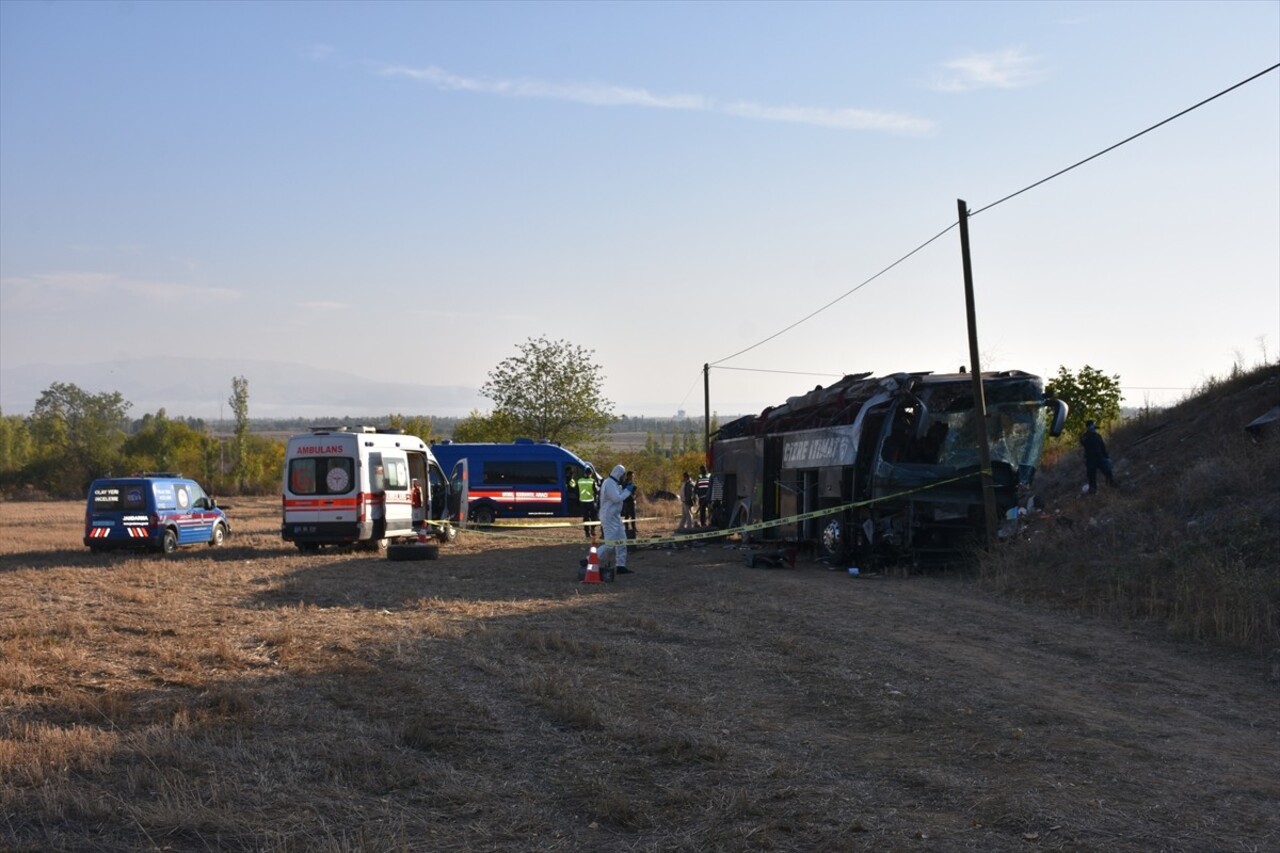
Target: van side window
(499, 472)
(396, 472)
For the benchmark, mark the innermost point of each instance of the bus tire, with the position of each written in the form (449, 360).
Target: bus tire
(482, 516)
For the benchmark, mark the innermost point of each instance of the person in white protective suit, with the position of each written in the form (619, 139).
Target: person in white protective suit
(612, 494)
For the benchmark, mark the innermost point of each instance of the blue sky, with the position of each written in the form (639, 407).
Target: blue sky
(408, 191)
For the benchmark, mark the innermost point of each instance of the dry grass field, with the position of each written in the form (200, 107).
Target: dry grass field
(255, 699)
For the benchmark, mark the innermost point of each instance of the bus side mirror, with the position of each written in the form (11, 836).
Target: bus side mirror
(1058, 410)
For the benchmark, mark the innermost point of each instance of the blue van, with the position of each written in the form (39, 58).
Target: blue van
(523, 479)
(157, 512)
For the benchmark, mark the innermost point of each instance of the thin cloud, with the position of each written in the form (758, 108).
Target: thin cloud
(845, 119)
(604, 95)
(323, 305)
(1007, 69)
(47, 289)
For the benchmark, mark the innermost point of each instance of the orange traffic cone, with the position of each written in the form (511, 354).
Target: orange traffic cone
(593, 567)
(422, 535)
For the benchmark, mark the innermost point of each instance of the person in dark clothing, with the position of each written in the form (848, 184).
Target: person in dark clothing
(687, 500)
(1096, 457)
(629, 505)
(702, 487)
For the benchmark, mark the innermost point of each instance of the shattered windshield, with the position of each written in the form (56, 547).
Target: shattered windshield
(1015, 432)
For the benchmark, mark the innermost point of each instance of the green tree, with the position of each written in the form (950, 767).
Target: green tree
(551, 390)
(263, 465)
(161, 444)
(416, 425)
(1090, 395)
(16, 447)
(498, 426)
(77, 436)
(239, 402)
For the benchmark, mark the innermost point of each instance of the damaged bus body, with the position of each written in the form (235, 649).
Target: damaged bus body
(884, 469)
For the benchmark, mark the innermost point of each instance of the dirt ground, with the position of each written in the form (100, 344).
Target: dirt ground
(490, 701)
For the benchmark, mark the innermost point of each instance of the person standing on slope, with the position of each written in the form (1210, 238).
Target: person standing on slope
(1096, 457)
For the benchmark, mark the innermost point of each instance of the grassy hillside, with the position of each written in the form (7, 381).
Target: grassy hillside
(1190, 535)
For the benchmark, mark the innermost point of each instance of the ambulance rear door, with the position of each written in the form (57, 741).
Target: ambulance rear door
(390, 485)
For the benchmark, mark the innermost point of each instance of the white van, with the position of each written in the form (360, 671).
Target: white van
(362, 486)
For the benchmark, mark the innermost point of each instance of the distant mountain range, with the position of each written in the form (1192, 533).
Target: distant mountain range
(199, 388)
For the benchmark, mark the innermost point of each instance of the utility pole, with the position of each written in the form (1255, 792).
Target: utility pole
(706, 410)
(979, 397)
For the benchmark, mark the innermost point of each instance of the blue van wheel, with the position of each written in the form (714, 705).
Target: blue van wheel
(169, 541)
(219, 536)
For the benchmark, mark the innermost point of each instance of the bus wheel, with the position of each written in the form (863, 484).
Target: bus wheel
(405, 553)
(482, 515)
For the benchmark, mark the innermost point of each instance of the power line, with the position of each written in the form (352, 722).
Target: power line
(1130, 139)
(838, 298)
(690, 391)
(1056, 174)
(766, 370)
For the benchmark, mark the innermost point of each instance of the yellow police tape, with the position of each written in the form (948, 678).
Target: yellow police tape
(496, 530)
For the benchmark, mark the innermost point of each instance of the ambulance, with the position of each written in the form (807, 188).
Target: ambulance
(363, 486)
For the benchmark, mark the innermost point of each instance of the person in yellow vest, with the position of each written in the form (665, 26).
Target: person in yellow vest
(589, 498)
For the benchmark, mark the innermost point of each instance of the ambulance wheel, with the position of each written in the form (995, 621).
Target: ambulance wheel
(219, 536)
(308, 547)
(415, 552)
(169, 541)
(373, 545)
(483, 515)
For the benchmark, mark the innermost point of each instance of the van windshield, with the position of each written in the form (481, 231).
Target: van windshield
(321, 475)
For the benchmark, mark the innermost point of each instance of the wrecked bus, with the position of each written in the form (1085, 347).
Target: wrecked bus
(877, 470)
